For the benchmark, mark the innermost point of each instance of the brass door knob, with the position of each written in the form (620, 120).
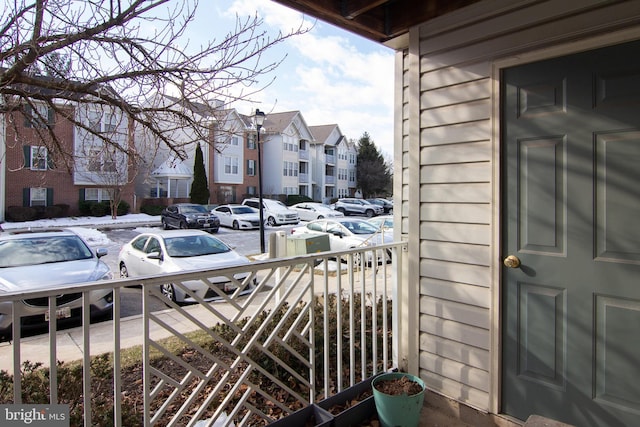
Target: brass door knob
(512, 261)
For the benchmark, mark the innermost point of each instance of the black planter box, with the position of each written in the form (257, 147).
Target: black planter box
(356, 414)
(301, 418)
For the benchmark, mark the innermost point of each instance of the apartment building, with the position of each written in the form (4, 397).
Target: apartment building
(54, 182)
(314, 161)
(335, 157)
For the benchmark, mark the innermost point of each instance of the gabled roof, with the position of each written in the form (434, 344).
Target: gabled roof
(322, 133)
(279, 122)
(172, 168)
(199, 108)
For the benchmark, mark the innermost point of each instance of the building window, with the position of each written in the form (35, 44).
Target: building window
(94, 121)
(38, 158)
(290, 147)
(37, 197)
(290, 169)
(251, 167)
(38, 116)
(109, 123)
(95, 194)
(235, 140)
(290, 190)
(251, 142)
(101, 161)
(251, 190)
(231, 165)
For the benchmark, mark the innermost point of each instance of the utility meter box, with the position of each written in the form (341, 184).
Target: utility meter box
(307, 243)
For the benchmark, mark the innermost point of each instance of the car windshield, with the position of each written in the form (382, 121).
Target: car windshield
(188, 246)
(194, 209)
(359, 227)
(242, 210)
(42, 250)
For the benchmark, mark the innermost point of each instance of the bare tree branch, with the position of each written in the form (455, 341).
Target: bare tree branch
(124, 54)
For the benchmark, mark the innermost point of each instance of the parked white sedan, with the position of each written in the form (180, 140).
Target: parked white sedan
(309, 211)
(173, 251)
(347, 233)
(238, 217)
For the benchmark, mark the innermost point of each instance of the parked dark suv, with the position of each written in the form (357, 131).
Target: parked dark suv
(189, 215)
(386, 204)
(352, 206)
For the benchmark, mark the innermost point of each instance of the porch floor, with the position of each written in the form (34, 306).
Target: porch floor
(439, 411)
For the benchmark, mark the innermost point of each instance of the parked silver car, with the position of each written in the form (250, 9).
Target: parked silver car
(42, 260)
(354, 206)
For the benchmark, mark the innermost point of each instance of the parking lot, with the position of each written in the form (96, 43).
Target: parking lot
(245, 242)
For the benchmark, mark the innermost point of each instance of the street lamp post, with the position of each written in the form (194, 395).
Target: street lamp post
(258, 120)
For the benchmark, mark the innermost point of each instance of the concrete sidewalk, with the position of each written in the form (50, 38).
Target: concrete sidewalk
(70, 342)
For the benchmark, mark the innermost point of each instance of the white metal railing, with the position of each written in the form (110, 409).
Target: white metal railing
(240, 348)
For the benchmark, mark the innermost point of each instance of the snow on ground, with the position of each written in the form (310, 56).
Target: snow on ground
(83, 225)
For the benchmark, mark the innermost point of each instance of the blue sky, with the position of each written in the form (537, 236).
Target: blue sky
(329, 75)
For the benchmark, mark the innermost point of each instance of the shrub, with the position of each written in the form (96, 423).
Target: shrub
(266, 353)
(52, 212)
(123, 208)
(151, 209)
(292, 199)
(100, 209)
(21, 213)
(64, 209)
(92, 208)
(84, 206)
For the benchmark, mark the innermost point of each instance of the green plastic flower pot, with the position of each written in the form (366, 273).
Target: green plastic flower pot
(398, 410)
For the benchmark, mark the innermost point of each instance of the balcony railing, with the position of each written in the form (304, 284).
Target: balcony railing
(311, 325)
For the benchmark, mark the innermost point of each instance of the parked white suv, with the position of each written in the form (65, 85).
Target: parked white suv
(275, 212)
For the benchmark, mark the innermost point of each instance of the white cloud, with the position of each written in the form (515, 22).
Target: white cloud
(330, 75)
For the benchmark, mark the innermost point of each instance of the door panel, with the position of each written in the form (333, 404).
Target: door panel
(571, 185)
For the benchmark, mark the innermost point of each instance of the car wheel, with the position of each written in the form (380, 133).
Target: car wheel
(164, 224)
(320, 217)
(369, 213)
(168, 291)
(235, 225)
(271, 222)
(342, 210)
(124, 273)
(183, 225)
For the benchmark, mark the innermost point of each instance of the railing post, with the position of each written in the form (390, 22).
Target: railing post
(278, 249)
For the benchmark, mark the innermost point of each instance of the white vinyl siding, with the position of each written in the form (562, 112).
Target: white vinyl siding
(447, 181)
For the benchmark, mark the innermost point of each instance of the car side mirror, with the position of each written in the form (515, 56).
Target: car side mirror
(100, 252)
(155, 255)
(337, 233)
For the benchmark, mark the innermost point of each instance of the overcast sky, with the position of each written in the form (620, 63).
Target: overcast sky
(329, 75)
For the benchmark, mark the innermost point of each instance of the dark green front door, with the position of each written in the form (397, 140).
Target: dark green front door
(571, 215)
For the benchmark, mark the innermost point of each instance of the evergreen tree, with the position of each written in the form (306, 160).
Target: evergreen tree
(373, 176)
(199, 189)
